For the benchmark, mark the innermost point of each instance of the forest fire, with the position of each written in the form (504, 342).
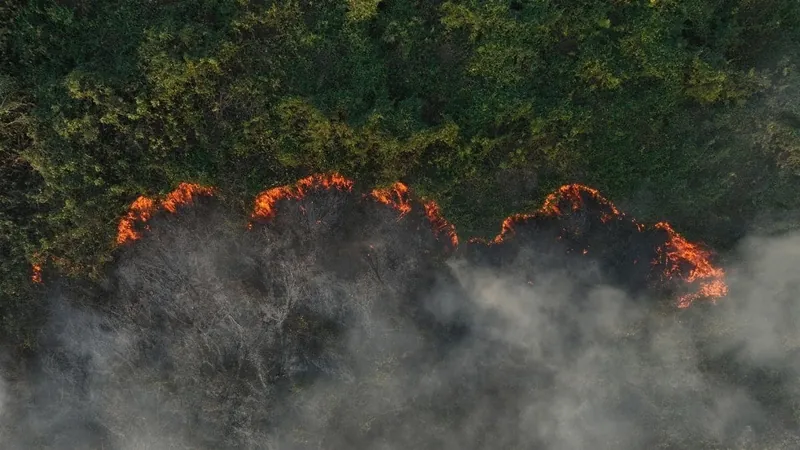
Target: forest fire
(575, 194)
(677, 259)
(677, 256)
(143, 208)
(439, 223)
(395, 196)
(140, 211)
(266, 201)
(36, 273)
(398, 197)
(567, 198)
(680, 253)
(507, 227)
(183, 195)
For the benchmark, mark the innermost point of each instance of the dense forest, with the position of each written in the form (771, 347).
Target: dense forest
(685, 111)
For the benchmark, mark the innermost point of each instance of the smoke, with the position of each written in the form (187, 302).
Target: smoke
(340, 323)
(2, 398)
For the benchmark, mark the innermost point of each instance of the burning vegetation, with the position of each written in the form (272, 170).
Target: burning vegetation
(331, 280)
(399, 198)
(36, 273)
(577, 213)
(143, 208)
(396, 196)
(567, 199)
(183, 195)
(689, 261)
(675, 261)
(439, 223)
(265, 204)
(574, 195)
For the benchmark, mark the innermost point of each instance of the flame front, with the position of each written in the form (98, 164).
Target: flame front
(395, 196)
(439, 223)
(183, 195)
(140, 211)
(398, 197)
(574, 193)
(507, 227)
(678, 252)
(681, 259)
(143, 208)
(266, 201)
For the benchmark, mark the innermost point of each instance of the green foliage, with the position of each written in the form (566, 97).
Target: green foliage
(361, 10)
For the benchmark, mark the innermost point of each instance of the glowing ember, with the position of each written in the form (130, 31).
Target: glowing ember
(36, 273)
(395, 196)
(680, 253)
(439, 223)
(266, 201)
(143, 208)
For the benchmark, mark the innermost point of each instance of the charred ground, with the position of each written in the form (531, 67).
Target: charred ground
(345, 321)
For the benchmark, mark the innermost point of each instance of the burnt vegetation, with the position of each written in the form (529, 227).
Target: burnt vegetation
(342, 321)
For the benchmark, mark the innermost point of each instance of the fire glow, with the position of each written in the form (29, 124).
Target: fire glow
(395, 196)
(676, 254)
(439, 223)
(143, 208)
(398, 197)
(36, 273)
(266, 201)
(678, 259)
(680, 253)
(569, 197)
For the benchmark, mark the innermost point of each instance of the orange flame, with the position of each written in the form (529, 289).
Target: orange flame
(395, 196)
(140, 211)
(571, 193)
(266, 201)
(36, 273)
(36, 261)
(439, 223)
(679, 252)
(507, 227)
(143, 208)
(183, 195)
(574, 193)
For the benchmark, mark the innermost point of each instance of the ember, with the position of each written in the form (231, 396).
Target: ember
(36, 273)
